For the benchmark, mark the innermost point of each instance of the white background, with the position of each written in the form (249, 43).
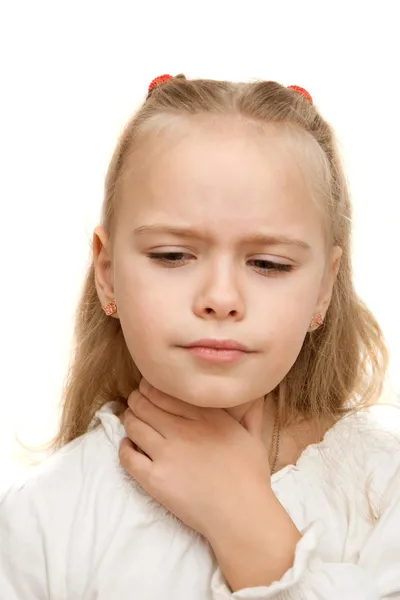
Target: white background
(72, 72)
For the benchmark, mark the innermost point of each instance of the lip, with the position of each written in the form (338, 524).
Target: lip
(216, 355)
(219, 345)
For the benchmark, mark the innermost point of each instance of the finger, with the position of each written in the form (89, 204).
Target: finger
(162, 421)
(253, 419)
(168, 403)
(136, 464)
(143, 435)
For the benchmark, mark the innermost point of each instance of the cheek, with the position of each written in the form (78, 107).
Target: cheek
(144, 313)
(288, 334)
(142, 329)
(292, 317)
(143, 318)
(286, 341)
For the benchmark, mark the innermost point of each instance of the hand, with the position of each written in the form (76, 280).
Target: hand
(201, 464)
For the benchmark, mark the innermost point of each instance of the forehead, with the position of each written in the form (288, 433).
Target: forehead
(227, 174)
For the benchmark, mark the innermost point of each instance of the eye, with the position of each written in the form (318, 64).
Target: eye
(168, 258)
(175, 259)
(268, 265)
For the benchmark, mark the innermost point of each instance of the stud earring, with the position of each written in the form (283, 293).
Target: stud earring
(110, 308)
(316, 322)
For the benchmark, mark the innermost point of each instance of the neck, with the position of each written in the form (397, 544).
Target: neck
(238, 412)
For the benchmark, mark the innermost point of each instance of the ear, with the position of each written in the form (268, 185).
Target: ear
(102, 266)
(331, 272)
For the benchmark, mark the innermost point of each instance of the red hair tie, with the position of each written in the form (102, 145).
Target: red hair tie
(164, 78)
(301, 91)
(159, 81)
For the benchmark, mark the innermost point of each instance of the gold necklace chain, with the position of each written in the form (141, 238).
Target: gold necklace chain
(275, 443)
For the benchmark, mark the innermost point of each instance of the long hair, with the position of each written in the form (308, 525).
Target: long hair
(341, 365)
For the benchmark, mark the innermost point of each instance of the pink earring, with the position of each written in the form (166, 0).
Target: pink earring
(110, 308)
(317, 321)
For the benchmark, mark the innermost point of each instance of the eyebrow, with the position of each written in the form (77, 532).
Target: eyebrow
(193, 233)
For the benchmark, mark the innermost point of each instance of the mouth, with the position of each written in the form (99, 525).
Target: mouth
(218, 351)
(219, 345)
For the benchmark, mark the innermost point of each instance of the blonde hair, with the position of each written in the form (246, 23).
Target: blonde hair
(341, 366)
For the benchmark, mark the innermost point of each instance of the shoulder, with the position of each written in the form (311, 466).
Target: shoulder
(363, 437)
(82, 463)
(55, 484)
(362, 453)
(373, 433)
(379, 442)
(366, 433)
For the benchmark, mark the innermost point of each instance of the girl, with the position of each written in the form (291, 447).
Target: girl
(221, 435)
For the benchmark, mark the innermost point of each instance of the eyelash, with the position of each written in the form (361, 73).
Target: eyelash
(162, 258)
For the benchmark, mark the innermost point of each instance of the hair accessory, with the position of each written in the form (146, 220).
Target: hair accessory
(159, 81)
(301, 91)
(111, 308)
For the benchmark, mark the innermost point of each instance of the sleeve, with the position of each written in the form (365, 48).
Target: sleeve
(23, 573)
(375, 576)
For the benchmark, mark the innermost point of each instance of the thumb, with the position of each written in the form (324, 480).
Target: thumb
(253, 419)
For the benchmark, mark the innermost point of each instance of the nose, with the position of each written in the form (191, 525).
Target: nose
(220, 296)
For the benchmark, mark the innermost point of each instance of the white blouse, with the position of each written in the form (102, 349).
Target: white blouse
(80, 528)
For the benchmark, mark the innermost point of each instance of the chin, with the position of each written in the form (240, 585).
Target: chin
(213, 402)
(218, 395)
(208, 391)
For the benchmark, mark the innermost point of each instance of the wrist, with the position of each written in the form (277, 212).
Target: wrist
(259, 546)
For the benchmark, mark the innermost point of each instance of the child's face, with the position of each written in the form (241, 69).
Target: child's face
(229, 183)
